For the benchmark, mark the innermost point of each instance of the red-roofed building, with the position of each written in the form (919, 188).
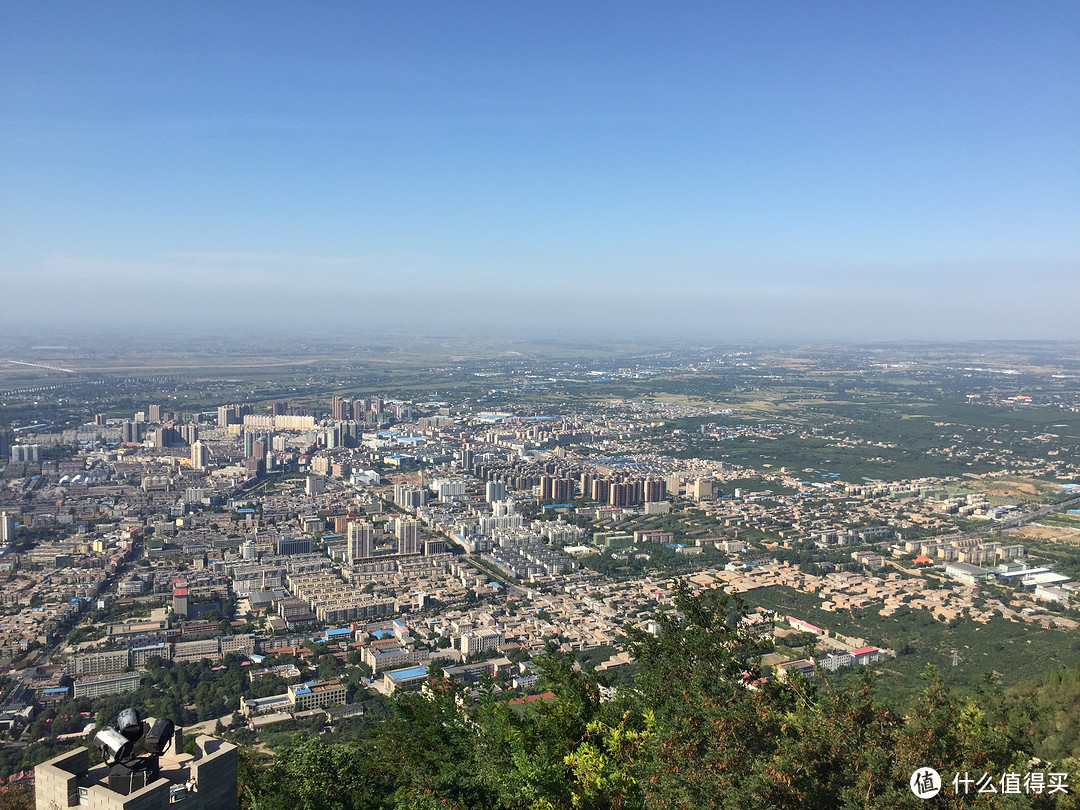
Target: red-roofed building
(180, 601)
(867, 655)
(806, 627)
(532, 698)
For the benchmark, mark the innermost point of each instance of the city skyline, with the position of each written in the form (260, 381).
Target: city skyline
(845, 172)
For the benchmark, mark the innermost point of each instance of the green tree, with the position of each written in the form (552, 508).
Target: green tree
(428, 749)
(701, 727)
(16, 797)
(695, 675)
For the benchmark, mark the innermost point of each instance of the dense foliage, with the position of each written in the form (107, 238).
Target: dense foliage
(700, 728)
(1057, 697)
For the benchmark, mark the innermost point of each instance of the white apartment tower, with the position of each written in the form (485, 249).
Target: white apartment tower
(200, 455)
(7, 528)
(408, 496)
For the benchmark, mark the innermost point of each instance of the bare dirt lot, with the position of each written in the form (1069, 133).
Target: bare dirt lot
(1055, 533)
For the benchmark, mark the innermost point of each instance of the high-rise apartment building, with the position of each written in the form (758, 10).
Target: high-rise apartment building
(331, 437)
(351, 433)
(704, 489)
(655, 490)
(674, 485)
(468, 458)
(232, 414)
(408, 536)
(7, 528)
(341, 408)
(408, 496)
(30, 453)
(619, 494)
(189, 433)
(448, 489)
(361, 541)
(600, 490)
(131, 432)
(200, 455)
(494, 491)
(545, 487)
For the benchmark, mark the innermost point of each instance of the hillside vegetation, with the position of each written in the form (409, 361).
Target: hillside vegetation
(699, 729)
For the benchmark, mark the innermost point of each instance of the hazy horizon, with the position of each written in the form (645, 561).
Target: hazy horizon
(715, 172)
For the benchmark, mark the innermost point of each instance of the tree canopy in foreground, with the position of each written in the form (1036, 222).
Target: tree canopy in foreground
(702, 727)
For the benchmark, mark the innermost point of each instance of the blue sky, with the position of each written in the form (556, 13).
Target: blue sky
(724, 170)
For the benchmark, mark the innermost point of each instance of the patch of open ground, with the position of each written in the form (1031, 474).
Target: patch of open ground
(1033, 532)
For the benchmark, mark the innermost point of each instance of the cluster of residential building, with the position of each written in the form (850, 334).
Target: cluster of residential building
(430, 540)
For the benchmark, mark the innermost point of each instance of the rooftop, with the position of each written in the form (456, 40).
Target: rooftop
(404, 674)
(209, 776)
